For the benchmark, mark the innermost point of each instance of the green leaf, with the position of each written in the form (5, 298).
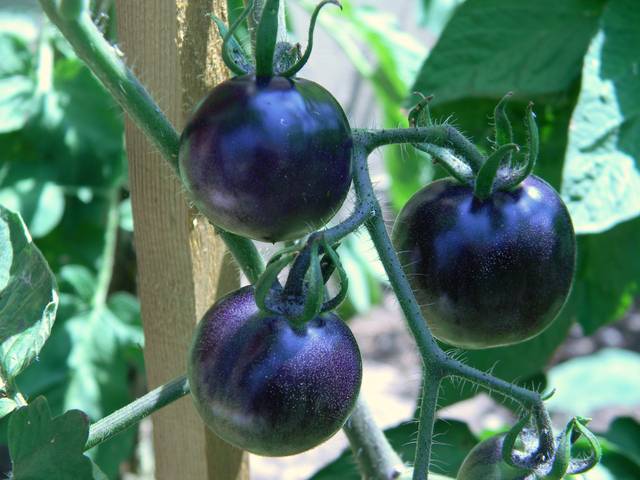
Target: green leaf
(608, 279)
(80, 279)
(84, 126)
(436, 13)
(7, 406)
(455, 440)
(586, 384)
(491, 47)
(601, 183)
(40, 202)
(44, 447)
(86, 365)
(624, 432)
(17, 82)
(28, 296)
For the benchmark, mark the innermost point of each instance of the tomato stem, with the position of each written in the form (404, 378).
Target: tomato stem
(445, 136)
(371, 450)
(266, 38)
(131, 414)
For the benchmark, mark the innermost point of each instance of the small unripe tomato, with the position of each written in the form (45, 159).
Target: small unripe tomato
(268, 387)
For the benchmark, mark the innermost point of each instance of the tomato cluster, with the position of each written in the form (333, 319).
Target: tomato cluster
(266, 155)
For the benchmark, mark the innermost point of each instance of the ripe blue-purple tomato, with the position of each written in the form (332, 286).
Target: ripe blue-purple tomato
(268, 159)
(267, 387)
(487, 272)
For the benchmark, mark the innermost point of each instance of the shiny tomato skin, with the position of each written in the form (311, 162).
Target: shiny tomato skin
(267, 387)
(267, 159)
(487, 273)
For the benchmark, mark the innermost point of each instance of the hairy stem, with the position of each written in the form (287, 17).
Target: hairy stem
(428, 407)
(131, 414)
(371, 450)
(438, 135)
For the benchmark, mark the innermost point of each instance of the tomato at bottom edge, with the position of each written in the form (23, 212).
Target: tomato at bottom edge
(267, 387)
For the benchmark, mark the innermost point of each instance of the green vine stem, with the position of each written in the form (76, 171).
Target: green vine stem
(375, 457)
(131, 414)
(439, 135)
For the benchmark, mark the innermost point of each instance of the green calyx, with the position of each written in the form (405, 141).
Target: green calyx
(303, 295)
(270, 57)
(503, 169)
(521, 449)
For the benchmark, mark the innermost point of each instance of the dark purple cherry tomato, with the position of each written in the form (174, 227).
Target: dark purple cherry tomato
(268, 159)
(487, 272)
(267, 387)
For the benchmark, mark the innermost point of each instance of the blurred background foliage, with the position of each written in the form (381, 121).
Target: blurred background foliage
(63, 167)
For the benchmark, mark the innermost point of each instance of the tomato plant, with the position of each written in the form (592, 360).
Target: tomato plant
(489, 272)
(270, 156)
(267, 158)
(268, 387)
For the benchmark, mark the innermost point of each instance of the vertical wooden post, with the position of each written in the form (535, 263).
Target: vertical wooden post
(172, 46)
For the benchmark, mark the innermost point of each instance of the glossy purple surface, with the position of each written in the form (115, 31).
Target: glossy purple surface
(267, 388)
(267, 160)
(487, 273)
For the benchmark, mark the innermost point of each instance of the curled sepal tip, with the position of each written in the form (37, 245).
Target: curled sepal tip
(514, 176)
(334, 260)
(314, 294)
(487, 174)
(268, 286)
(420, 114)
(581, 465)
(546, 396)
(503, 132)
(233, 54)
(562, 457)
(510, 454)
(229, 41)
(290, 72)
